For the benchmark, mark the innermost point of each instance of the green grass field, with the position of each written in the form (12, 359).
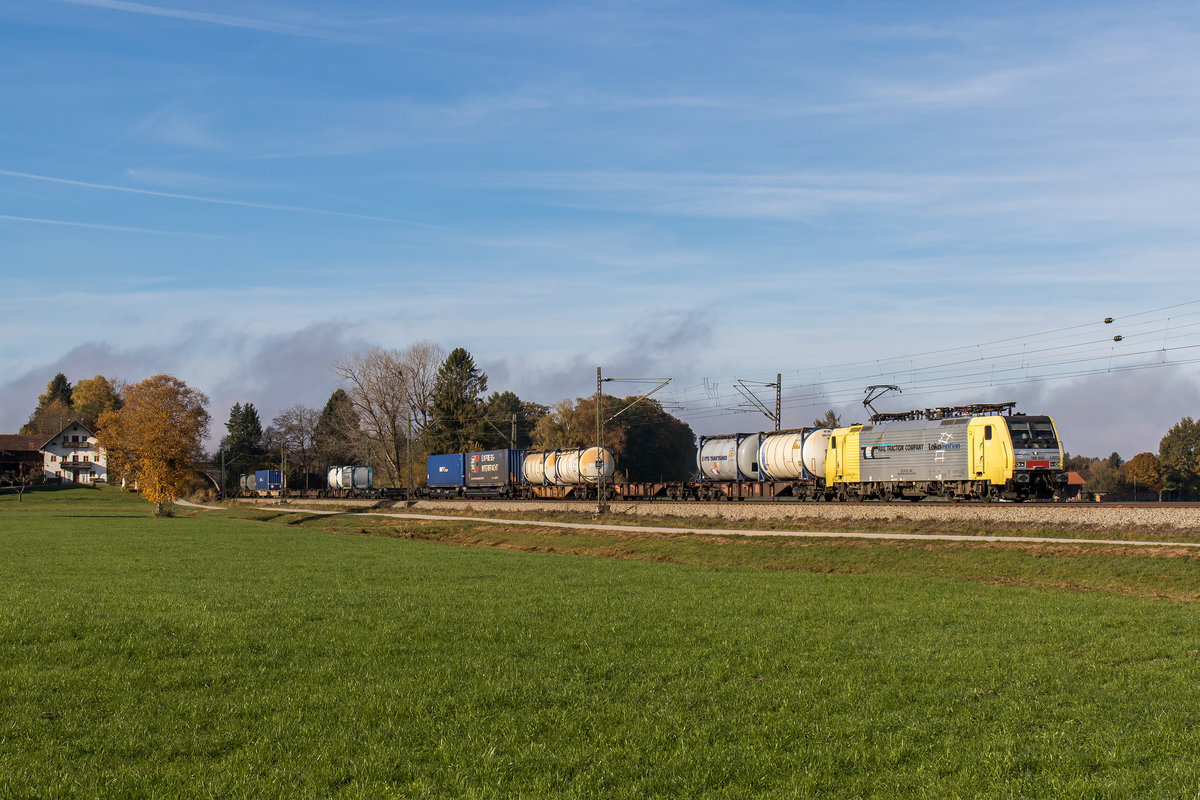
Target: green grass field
(264, 654)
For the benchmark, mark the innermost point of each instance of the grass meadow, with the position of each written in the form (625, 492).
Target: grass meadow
(267, 654)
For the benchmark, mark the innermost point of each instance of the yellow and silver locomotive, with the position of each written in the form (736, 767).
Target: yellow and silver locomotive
(982, 452)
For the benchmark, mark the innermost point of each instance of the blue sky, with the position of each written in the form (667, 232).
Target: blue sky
(239, 193)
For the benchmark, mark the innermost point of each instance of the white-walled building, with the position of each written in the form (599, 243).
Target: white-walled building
(74, 455)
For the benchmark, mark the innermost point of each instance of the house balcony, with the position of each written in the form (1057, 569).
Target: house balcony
(77, 445)
(77, 466)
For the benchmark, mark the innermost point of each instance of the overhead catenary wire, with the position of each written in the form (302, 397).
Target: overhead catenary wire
(1075, 351)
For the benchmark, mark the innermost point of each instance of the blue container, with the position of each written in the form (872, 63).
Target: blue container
(444, 470)
(268, 480)
(489, 469)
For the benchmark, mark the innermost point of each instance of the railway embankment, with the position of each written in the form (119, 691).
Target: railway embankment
(1165, 518)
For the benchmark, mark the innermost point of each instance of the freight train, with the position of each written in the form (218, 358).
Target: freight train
(547, 474)
(351, 482)
(976, 452)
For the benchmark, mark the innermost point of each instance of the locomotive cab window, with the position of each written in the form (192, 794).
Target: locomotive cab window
(1032, 433)
(987, 432)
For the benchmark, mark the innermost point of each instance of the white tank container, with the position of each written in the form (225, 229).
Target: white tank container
(567, 467)
(816, 445)
(793, 455)
(721, 457)
(593, 461)
(358, 477)
(351, 477)
(566, 472)
(533, 468)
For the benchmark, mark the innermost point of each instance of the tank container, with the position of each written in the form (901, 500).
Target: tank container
(533, 469)
(728, 458)
(567, 467)
(351, 478)
(792, 455)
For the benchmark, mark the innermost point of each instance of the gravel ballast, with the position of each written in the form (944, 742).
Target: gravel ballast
(1083, 516)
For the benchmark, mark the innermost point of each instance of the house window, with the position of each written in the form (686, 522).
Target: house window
(87, 458)
(53, 459)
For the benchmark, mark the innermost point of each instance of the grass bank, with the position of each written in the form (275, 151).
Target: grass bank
(282, 655)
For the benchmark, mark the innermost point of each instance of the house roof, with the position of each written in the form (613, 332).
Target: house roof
(79, 422)
(21, 443)
(1075, 479)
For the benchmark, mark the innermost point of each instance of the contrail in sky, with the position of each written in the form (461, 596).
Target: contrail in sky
(214, 200)
(97, 226)
(215, 19)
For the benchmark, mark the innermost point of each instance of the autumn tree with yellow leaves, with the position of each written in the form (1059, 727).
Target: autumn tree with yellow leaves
(155, 436)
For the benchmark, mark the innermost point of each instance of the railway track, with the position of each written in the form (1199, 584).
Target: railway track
(1144, 519)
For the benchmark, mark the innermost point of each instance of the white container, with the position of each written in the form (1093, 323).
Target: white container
(358, 477)
(721, 458)
(793, 455)
(351, 477)
(533, 469)
(594, 461)
(567, 467)
(816, 445)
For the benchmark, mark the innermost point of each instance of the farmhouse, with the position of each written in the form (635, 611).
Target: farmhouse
(20, 454)
(74, 455)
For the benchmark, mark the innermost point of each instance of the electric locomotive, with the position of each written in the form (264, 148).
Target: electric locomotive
(979, 452)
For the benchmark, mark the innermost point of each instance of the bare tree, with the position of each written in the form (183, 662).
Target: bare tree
(295, 427)
(391, 390)
(21, 480)
(421, 364)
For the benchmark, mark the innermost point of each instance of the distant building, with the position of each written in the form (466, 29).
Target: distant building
(1074, 487)
(20, 454)
(74, 455)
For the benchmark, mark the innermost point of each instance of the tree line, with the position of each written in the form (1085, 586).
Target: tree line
(396, 406)
(1173, 470)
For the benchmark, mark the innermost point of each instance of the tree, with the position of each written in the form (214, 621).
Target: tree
(58, 388)
(506, 416)
(1179, 458)
(830, 420)
(155, 437)
(420, 363)
(50, 418)
(296, 429)
(53, 410)
(337, 439)
(1106, 480)
(94, 396)
(244, 430)
(1080, 464)
(457, 423)
(1115, 461)
(243, 442)
(560, 428)
(648, 444)
(1143, 472)
(386, 388)
(21, 480)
